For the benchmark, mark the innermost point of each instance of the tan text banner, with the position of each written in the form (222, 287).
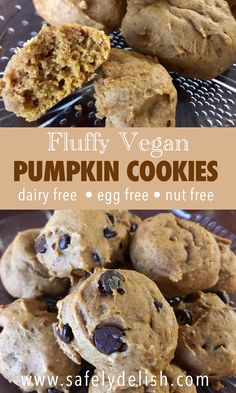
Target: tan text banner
(115, 168)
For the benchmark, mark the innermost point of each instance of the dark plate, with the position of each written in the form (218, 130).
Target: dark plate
(201, 103)
(10, 226)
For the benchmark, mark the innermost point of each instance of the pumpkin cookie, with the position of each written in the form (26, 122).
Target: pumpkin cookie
(118, 320)
(28, 347)
(135, 91)
(227, 274)
(51, 66)
(75, 242)
(23, 275)
(207, 336)
(175, 253)
(193, 37)
(100, 14)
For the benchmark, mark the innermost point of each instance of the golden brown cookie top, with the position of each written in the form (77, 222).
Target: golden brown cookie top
(21, 272)
(75, 242)
(134, 90)
(99, 14)
(207, 335)
(227, 274)
(192, 37)
(120, 321)
(175, 253)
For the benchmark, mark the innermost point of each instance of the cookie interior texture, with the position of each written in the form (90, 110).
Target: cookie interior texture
(134, 90)
(100, 14)
(50, 66)
(193, 37)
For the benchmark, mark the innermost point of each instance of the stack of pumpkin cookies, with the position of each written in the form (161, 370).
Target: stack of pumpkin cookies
(141, 301)
(195, 38)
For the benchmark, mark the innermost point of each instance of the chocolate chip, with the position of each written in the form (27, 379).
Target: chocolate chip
(109, 339)
(66, 334)
(86, 275)
(124, 347)
(173, 300)
(96, 257)
(52, 306)
(53, 390)
(41, 245)
(120, 245)
(183, 317)
(64, 242)
(133, 227)
(1, 329)
(191, 297)
(110, 281)
(223, 296)
(109, 234)
(111, 217)
(158, 305)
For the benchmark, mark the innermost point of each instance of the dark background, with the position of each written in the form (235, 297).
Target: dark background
(227, 218)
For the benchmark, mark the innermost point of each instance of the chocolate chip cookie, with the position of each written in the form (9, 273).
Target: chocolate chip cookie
(118, 320)
(99, 384)
(23, 275)
(135, 91)
(100, 14)
(207, 336)
(179, 255)
(50, 66)
(227, 274)
(75, 242)
(193, 37)
(28, 347)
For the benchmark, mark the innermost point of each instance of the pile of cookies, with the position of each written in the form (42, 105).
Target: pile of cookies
(145, 300)
(195, 38)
